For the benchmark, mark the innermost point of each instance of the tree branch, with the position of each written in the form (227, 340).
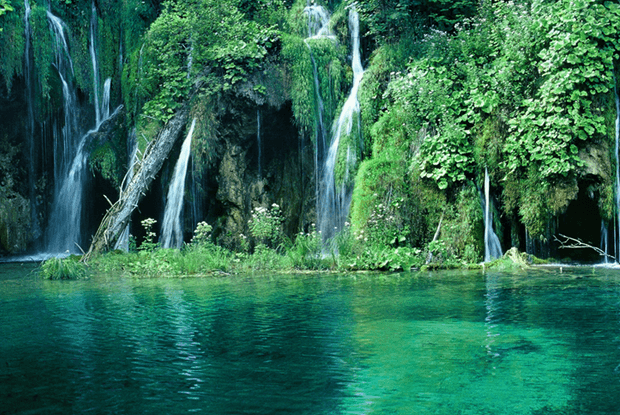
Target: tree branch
(574, 243)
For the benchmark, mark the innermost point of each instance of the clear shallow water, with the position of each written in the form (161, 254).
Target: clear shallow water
(429, 343)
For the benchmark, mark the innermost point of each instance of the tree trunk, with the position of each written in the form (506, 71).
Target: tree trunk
(118, 215)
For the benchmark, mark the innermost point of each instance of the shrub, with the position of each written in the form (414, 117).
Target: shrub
(266, 225)
(63, 269)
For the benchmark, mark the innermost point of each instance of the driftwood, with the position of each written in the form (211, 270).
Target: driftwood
(568, 242)
(118, 215)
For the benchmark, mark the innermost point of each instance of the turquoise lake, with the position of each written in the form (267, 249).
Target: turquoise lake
(534, 342)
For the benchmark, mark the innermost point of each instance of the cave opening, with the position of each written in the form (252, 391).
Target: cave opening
(581, 220)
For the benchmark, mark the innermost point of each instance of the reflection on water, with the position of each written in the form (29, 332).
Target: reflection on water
(430, 343)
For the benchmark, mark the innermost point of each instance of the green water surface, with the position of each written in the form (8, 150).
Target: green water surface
(537, 342)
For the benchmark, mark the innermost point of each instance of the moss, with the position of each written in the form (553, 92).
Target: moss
(42, 48)
(463, 228)
(108, 163)
(12, 41)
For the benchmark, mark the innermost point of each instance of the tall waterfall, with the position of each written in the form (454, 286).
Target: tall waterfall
(65, 221)
(65, 145)
(335, 198)
(69, 157)
(492, 246)
(92, 48)
(132, 150)
(318, 21)
(32, 146)
(318, 27)
(604, 241)
(259, 144)
(70, 154)
(172, 232)
(617, 227)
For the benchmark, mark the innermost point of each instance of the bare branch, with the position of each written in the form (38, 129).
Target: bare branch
(568, 242)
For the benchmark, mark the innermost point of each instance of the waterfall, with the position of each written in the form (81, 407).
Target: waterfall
(318, 22)
(65, 145)
(172, 232)
(105, 102)
(70, 154)
(617, 227)
(93, 57)
(65, 220)
(492, 246)
(318, 27)
(260, 170)
(334, 200)
(132, 150)
(32, 159)
(604, 239)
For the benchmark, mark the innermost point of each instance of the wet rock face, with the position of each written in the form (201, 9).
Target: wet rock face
(286, 175)
(14, 223)
(597, 164)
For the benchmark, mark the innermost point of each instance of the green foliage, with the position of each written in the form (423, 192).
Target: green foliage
(266, 225)
(42, 48)
(12, 41)
(385, 259)
(574, 64)
(148, 244)
(106, 160)
(307, 251)
(207, 41)
(389, 20)
(447, 157)
(334, 80)
(203, 259)
(69, 268)
(202, 234)
(5, 7)
(462, 229)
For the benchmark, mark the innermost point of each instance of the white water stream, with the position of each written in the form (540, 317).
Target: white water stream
(492, 246)
(172, 231)
(70, 156)
(334, 200)
(259, 144)
(617, 227)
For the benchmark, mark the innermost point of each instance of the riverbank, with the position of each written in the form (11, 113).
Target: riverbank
(208, 260)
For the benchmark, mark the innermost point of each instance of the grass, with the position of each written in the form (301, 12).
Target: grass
(203, 258)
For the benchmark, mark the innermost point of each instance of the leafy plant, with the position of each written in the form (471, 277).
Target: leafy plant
(148, 244)
(266, 225)
(202, 234)
(69, 268)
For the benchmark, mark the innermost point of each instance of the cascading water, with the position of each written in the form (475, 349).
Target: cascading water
(92, 47)
(259, 144)
(66, 144)
(32, 165)
(105, 102)
(617, 227)
(492, 246)
(70, 154)
(334, 199)
(132, 144)
(318, 27)
(65, 221)
(318, 22)
(604, 239)
(172, 232)
(69, 157)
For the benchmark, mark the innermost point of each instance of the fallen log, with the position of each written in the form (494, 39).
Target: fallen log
(118, 215)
